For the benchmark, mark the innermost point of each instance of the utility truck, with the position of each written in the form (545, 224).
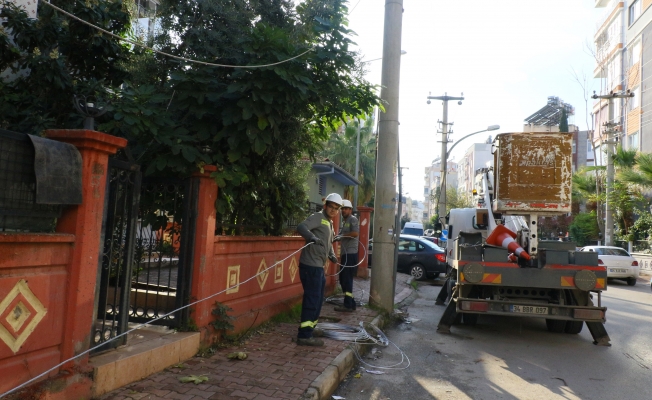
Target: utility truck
(498, 263)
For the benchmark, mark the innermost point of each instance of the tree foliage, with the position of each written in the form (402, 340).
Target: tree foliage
(253, 123)
(47, 61)
(341, 149)
(584, 228)
(563, 121)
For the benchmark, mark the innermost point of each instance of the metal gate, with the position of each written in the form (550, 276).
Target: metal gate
(164, 246)
(117, 253)
(146, 261)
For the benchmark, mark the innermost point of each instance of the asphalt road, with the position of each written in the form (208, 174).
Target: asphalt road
(512, 358)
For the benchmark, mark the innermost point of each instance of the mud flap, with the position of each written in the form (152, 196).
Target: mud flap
(600, 335)
(448, 318)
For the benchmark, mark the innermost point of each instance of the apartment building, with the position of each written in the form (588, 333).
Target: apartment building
(623, 43)
(432, 179)
(477, 156)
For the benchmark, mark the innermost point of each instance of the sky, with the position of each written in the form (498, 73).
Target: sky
(505, 56)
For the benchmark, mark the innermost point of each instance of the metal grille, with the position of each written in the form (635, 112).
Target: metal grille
(117, 257)
(18, 210)
(164, 243)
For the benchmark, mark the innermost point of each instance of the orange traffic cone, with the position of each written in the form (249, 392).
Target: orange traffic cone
(502, 236)
(511, 257)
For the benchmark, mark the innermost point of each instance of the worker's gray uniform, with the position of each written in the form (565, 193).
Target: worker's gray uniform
(349, 259)
(311, 269)
(318, 225)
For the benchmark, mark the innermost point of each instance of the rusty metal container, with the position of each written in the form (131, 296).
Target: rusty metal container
(532, 173)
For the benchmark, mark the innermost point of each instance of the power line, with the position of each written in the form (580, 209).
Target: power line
(168, 54)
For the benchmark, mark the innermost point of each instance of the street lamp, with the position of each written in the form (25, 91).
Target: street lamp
(442, 184)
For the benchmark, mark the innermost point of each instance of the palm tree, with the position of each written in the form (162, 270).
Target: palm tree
(341, 149)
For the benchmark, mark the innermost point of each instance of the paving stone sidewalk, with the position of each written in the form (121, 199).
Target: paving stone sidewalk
(276, 368)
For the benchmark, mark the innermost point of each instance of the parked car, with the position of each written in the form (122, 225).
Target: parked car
(619, 263)
(429, 232)
(418, 257)
(431, 239)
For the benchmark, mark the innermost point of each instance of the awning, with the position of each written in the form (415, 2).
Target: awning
(334, 171)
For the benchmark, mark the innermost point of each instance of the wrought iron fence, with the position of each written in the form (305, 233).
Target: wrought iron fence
(18, 209)
(117, 257)
(163, 250)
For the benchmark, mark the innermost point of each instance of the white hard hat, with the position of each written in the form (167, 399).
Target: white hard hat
(346, 203)
(334, 198)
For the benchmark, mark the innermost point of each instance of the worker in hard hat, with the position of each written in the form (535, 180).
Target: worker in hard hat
(349, 233)
(318, 230)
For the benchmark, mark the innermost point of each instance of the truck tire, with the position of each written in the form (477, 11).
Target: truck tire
(418, 272)
(469, 319)
(556, 325)
(574, 327)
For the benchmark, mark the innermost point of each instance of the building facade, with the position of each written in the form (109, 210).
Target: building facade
(432, 182)
(622, 46)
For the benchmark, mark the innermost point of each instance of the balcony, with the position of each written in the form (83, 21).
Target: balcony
(601, 3)
(608, 16)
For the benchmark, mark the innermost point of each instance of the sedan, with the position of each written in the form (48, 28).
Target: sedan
(619, 263)
(418, 257)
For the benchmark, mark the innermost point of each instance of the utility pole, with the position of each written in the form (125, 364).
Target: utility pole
(610, 130)
(444, 154)
(357, 171)
(383, 277)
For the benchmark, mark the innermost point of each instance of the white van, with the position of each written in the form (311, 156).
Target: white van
(413, 228)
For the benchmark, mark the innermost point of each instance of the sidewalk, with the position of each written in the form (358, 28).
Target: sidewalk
(276, 368)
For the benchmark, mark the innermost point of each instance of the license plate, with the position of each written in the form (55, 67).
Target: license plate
(529, 309)
(617, 270)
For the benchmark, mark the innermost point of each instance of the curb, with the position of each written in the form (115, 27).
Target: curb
(325, 384)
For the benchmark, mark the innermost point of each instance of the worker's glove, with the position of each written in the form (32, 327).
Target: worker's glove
(337, 238)
(316, 240)
(332, 258)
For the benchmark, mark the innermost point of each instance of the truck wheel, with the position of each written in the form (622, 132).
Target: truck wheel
(631, 281)
(469, 319)
(556, 325)
(418, 272)
(574, 327)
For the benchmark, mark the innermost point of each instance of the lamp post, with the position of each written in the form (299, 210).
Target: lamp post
(445, 154)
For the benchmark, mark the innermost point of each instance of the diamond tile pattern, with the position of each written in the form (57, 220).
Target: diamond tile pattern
(20, 313)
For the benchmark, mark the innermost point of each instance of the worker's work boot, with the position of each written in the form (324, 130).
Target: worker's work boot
(310, 342)
(344, 309)
(317, 332)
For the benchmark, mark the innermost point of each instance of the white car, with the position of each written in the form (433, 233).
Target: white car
(619, 263)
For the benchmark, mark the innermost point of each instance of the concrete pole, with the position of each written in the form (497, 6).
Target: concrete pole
(610, 131)
(444, 166)
(609, 218)
(383, 277)
(444, 155)
(357, 171)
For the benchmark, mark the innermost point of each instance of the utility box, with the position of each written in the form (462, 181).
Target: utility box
(532, 173)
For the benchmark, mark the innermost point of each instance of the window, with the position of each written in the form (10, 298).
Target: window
(632, 141)
(574, 147)
(634, 11)
(634, 102)
(636, 53)
(322, 185)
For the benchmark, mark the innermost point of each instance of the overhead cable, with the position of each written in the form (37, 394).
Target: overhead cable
(168, 54)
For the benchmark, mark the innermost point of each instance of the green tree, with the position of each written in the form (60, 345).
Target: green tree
(563, 121)
(457, 198)
(341, 149)
(48, 60)
(584, 228)
(253, 123)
